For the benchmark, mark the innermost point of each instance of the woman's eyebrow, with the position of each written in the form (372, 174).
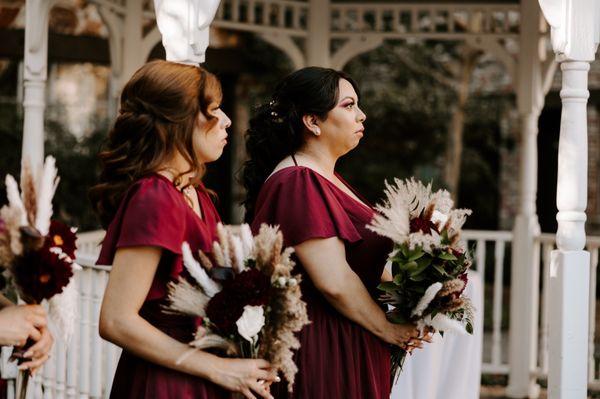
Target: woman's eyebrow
(348, 97)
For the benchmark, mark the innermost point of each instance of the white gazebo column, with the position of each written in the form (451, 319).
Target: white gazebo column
(523, 340)
(35, 75)
(575, 36)
(318, 40)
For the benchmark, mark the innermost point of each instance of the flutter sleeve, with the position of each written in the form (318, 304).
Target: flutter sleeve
(149, 215)
(304, 206)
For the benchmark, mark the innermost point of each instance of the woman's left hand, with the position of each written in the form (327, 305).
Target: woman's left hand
(39, 352)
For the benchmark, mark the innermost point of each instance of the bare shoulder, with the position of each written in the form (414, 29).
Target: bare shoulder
(284, 163)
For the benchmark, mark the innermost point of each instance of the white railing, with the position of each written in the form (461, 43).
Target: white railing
(282, 16)
(85, 368)
(443, 21)
(494, 358)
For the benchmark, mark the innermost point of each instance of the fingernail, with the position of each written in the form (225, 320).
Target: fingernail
(27, 354)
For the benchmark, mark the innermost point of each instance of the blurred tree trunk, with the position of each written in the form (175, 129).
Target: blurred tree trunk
(456, 127)
(455, 73)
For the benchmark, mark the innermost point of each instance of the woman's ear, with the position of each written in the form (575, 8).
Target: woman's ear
(311, 124)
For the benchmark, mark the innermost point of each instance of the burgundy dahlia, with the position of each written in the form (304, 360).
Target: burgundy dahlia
(41, 274)
(421, 224)
(60, 235)
(250, 287)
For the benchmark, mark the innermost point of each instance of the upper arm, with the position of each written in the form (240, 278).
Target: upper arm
(130, 280)
(324, 259)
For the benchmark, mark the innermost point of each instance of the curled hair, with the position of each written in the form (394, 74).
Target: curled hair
(158, 110)
(277, 130)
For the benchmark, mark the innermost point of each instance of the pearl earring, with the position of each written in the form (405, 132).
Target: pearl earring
(317, 132)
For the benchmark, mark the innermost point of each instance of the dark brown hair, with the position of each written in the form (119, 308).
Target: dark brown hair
(158, 110)
(277, 131)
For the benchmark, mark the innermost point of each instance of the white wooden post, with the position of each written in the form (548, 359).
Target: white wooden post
(524, 301)
(575, 36)
(318, 41)
(35, 74)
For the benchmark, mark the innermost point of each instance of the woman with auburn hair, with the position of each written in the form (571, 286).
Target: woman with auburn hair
(150, 198)
(293, 144)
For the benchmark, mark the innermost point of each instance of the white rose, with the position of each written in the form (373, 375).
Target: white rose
(439, 218)
(251, 322)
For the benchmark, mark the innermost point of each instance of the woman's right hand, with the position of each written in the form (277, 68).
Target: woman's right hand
(400, 334)
(18, 323)
(246, 376)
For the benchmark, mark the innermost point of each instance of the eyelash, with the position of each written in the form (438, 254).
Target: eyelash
(350, 105)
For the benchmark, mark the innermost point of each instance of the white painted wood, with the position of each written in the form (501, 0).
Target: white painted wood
(35, 74)
(319, 28)
(497, 303)
(524, 298)
(288, 46)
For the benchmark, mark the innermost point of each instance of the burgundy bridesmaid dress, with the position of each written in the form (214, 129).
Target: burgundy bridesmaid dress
(154, 213)
(338, 359)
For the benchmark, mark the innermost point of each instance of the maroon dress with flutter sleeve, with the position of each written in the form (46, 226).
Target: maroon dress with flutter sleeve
(154, 213)
(338, 358)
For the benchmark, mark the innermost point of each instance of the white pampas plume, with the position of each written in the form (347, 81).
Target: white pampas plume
(187, 299)
(441, 322)
(46, 188)
(224, 235)
(218, 254)
(209, 286)
(238, 254)
(426, 299)
(14, 199)
(247, 239)
(63, 310)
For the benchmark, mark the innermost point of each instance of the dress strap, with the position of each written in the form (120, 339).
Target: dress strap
(294, 159)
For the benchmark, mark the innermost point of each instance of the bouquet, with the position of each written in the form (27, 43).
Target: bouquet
(249, 301)
(37, 253)
(429, 261)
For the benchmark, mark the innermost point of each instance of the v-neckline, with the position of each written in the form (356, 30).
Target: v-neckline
(202, 216)
(360, 201)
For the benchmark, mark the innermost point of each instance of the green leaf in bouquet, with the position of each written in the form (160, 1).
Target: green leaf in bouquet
(447, 256)
(422, 264)
(395, 268)
(440, 269)
(399, 278)
(409, 266)
(417, 253)
(387, 286)
(417, 277)
(469, 328)
(404, 250)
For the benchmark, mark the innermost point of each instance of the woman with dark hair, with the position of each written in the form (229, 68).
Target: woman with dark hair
(151, 199)
(293, 145)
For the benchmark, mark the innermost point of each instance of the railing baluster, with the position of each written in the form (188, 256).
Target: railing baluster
(592, 313)
(85, 334)
(480, 257)
(497, 310)
(545, 306)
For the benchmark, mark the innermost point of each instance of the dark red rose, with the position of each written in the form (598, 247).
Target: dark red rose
(423, 225)
(41, 274)
(61, 236)
(250, 287)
